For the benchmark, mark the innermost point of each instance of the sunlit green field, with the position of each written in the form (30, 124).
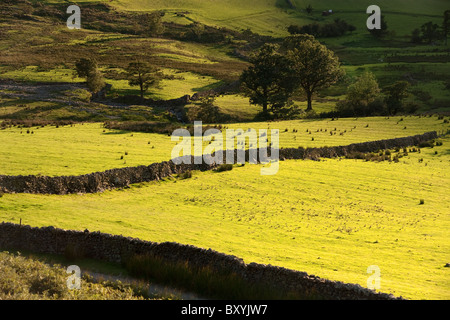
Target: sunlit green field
(332, 218)
(86, 148)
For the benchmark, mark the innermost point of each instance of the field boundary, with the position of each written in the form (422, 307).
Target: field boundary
(114, 248)
(124, 177)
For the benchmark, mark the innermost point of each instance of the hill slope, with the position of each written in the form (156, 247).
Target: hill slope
(271, 17)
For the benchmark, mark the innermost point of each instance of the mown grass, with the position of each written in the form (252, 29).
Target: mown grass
(79, 149)
(331, 218)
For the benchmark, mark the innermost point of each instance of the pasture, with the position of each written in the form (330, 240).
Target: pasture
(331, 218)
(84, 148)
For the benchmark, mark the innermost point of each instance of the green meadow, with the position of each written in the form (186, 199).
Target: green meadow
(331, 218)
(312, 215)
(89, 147)
(272, 16)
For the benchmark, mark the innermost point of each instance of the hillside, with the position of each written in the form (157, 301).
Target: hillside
(271, 17)
(36, 46)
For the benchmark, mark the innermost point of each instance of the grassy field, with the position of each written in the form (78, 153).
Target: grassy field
(331, 218)
(271, 17)
(85, 148)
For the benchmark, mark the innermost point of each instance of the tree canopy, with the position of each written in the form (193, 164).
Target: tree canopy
(87, 68)
(312, 65)
(379, 33)
(267, 82)
(364, 90)
(395, 94)
(144, 75)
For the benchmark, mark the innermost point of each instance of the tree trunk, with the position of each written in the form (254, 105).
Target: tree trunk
(142, 92)
(265, 103)
(309, 98)
(265, 107)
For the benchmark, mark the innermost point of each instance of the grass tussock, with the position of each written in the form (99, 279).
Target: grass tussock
(24, 278)
(224, 167)
(185, 175)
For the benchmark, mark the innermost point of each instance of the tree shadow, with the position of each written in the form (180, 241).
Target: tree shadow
(116, 132)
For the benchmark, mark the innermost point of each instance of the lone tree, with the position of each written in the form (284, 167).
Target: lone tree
(144, 75)
(379, 33)
(207, 111)
(267, 81)
(361, 96)
(309, 9)
(395, 94)
(95, 81)
(430, 32)
(84, 67)
(446, 25)
(312, 65)
(365, 89)
(151, 23)
(88, 69)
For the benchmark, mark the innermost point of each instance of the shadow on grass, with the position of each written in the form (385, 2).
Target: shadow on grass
(16, 102)
(209, 86)
(205, 281)
(116, 132)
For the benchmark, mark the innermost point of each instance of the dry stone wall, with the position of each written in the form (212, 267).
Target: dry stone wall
(95, 182)
(123, 177)
(115, 248)
(363, 147)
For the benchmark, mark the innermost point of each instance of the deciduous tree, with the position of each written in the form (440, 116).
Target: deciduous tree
(430, 32)
(84, 66)
(267, 82)
(144, 75)
(87, 68)
(365, 89)
(446, 25)
(152, 24)
(312, 65)
(379, 33)
(395, 94)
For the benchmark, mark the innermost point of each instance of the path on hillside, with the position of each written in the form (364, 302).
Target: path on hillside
(153, 289)
(51, 92)
(60, 92)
